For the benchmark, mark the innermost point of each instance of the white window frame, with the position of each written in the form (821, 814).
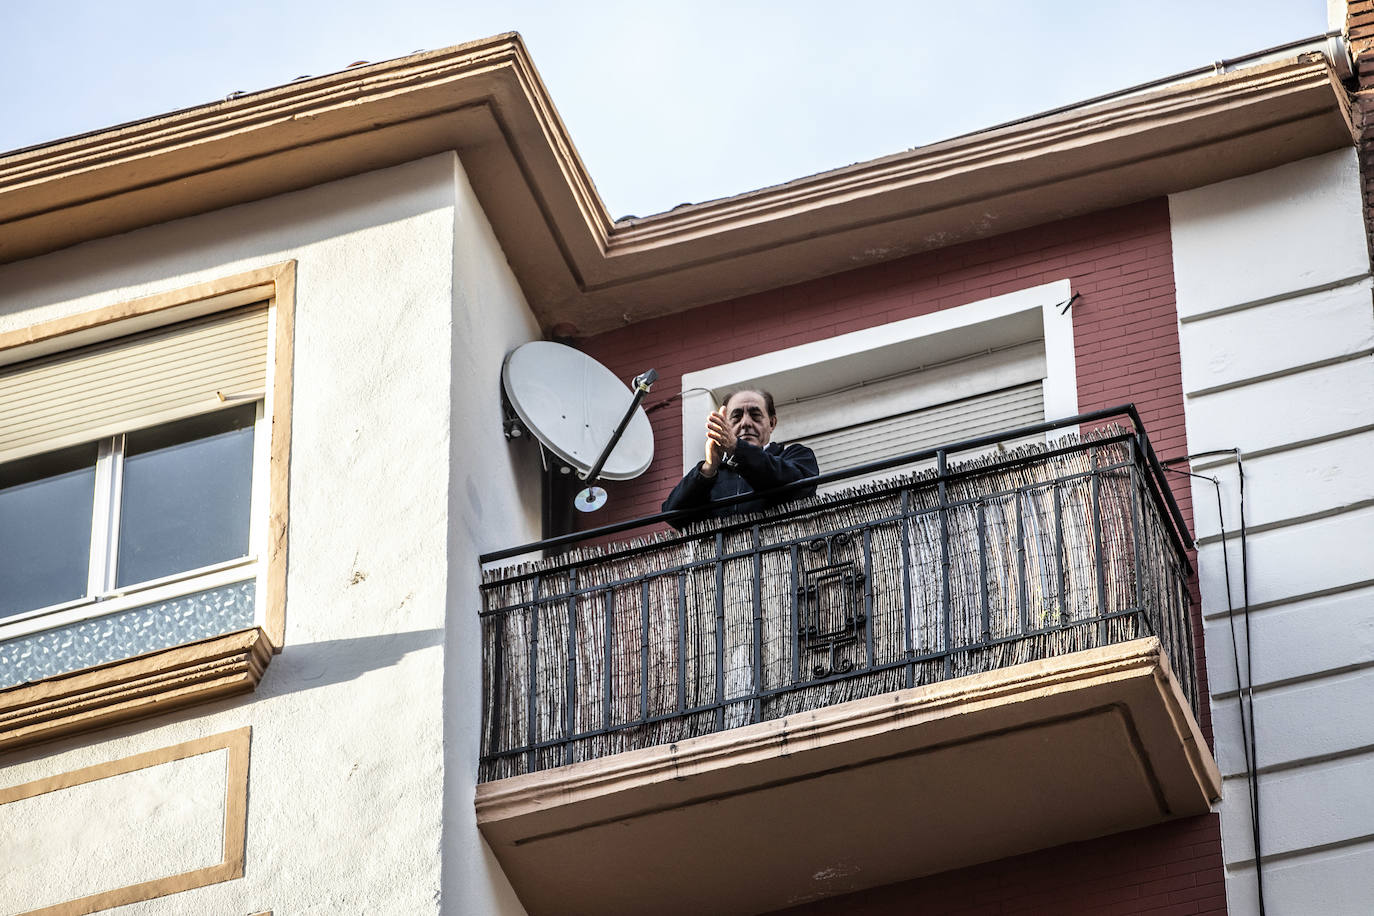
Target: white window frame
(826, 365)
(205, 669)
(102, 596)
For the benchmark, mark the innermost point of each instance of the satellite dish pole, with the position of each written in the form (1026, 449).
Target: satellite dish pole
(592, 497)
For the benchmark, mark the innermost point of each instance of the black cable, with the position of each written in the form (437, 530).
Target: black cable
(1250, 675)
(1230, 613)
(658, 405)
(1244, 690)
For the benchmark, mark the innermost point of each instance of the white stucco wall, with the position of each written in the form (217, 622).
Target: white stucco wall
(1277, 336)
(365, 727)
(494, 502)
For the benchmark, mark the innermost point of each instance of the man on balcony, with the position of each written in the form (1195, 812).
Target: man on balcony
(741, 458)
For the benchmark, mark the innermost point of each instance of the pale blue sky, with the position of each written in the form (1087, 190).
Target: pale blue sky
(666, 103)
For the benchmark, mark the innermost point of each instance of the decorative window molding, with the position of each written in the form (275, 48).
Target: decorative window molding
(235, 818)
(149, 685)
(100, 683)
(905, 366)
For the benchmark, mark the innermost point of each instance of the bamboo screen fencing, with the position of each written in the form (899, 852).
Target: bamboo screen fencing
(1001, 560)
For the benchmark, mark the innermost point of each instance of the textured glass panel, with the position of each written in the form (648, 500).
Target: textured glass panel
(187, 489)
(45, 528)
(126, 634)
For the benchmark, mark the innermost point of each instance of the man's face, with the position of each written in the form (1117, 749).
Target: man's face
(748, 417)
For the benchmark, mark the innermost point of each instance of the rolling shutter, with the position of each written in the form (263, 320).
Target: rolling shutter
(942, 424)
(133, 382)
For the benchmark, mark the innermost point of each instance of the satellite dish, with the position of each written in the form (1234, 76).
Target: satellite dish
(574, 406)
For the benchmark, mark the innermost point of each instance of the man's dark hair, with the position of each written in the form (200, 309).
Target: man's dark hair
(766, 395)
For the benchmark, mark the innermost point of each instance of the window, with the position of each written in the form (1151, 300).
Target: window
(45, 528)
(143, 457)
(934, 379)
(139, 540)
(924, 428)
(95, 521)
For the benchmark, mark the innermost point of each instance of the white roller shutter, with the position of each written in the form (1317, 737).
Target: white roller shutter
(942, 424)
(132, 382)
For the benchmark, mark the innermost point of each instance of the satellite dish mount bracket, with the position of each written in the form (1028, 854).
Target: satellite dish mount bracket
(593, 497)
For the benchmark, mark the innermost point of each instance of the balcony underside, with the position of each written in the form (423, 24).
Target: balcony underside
(859, 794)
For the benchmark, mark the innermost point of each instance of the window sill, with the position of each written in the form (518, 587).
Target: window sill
(129, 597)
(126, 690)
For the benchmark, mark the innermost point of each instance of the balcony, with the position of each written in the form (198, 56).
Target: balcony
(988, 655)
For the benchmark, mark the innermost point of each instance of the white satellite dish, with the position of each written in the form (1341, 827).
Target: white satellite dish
(574, 406)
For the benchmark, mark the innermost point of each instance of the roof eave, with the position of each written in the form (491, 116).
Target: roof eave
(485, 101)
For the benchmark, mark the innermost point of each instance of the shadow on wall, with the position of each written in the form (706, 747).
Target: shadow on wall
(299, 668)
(307, 666)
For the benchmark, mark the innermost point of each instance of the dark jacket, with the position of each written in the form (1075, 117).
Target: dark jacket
(755, 469)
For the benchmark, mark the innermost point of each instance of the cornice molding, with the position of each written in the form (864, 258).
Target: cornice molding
(485, 101)
(123, 691)
(241, 114)
(944, 160)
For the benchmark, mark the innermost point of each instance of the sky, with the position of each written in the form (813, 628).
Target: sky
(667, 103)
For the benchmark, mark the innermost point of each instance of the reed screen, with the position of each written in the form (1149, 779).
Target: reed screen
(966, 567)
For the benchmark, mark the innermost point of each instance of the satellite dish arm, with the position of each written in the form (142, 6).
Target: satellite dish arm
(641, 383)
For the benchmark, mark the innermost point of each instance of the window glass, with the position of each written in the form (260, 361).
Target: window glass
(45, 528)
(186, 495)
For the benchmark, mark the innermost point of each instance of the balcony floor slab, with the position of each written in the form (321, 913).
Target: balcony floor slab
(859, 794)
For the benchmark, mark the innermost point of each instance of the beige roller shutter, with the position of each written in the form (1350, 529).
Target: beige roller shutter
(133, 382)
(942, 424)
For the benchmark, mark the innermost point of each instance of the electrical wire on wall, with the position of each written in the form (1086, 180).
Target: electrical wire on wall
(659, 405)
(1245, 699)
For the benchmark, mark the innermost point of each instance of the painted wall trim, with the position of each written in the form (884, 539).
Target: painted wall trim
(1294, 599)
(1221, 461)
(1269, 300)
(236, 742)
(134, 689)
(1281, 373)
(1248, 864)
(1291, 522)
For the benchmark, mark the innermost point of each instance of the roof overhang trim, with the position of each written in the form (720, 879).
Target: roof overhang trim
(485, 101)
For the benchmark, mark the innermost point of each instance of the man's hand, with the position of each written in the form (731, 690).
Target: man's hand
(718, 431)
(720, 441)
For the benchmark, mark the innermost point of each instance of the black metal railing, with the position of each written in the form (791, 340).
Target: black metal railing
(963, 567)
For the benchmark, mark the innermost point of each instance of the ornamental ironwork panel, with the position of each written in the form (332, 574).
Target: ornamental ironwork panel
(830, 603)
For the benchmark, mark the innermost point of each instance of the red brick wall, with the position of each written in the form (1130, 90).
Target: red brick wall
(1172, 869)
(1125, 328)
(1126, 349)
(1125, 333)
(1359, 25)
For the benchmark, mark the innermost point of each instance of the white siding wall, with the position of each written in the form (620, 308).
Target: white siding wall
(1277, 332)
(365, 728)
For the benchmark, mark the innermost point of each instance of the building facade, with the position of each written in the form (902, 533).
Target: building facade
(253, 451)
